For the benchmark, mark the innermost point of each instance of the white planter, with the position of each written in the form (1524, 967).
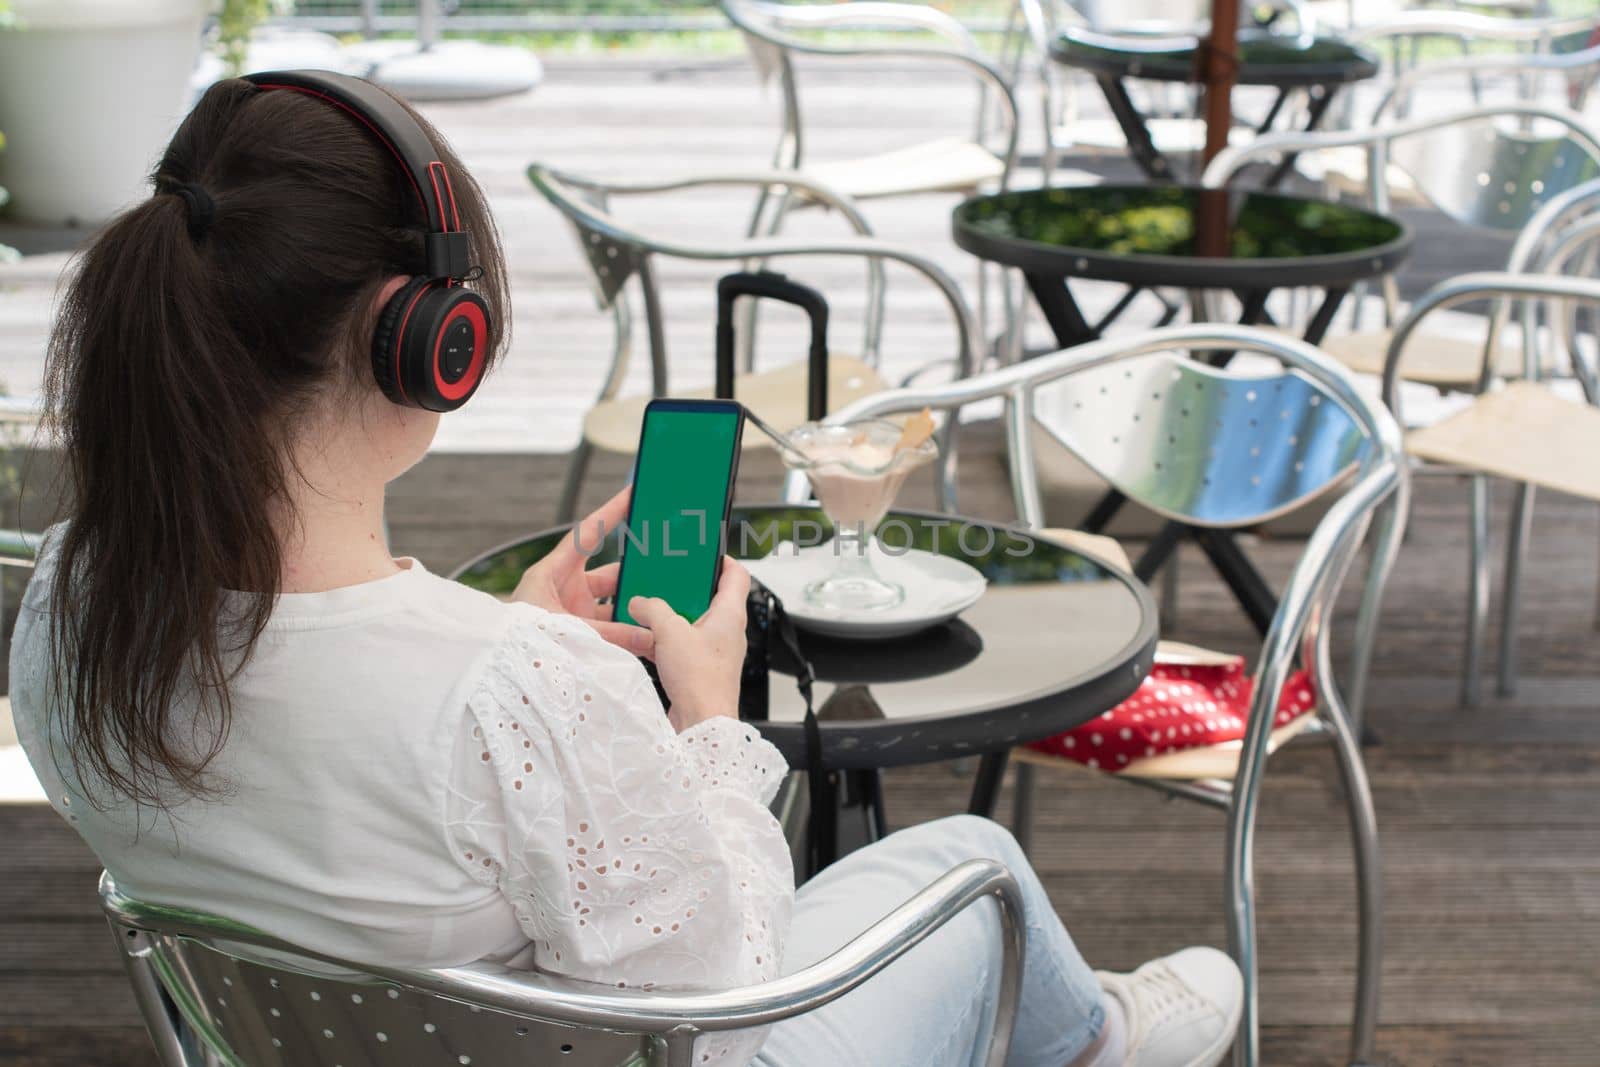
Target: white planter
(90, 92)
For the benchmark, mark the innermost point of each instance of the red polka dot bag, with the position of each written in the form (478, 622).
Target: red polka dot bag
(1193, 699)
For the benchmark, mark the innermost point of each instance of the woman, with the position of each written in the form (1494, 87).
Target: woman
(246, 705)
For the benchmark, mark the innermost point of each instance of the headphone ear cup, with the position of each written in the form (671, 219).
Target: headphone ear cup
(386, 340)
(443, 343)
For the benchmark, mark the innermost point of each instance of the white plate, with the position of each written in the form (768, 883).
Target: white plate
(937, 587)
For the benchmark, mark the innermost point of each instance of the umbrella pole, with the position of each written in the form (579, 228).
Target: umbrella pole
(1218, 64)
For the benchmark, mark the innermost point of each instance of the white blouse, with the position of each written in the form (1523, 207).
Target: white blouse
(418, 774)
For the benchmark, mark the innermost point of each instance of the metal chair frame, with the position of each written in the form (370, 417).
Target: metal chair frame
(769, 30)
(1377, 493)
(1537, 36)
(1489, 208)
(617, 252)
(159, 946)
(1548, 288)
(766, 28)
(1556, 208)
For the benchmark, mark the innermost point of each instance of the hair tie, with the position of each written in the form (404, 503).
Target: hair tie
(202, 209)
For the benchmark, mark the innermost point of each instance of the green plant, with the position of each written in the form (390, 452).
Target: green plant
(236, 20)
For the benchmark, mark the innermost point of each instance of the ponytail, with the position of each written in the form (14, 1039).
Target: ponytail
(174, 470)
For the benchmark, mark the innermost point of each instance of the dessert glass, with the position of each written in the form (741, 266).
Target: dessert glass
(856, 469)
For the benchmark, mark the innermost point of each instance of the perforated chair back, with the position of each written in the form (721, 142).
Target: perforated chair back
(295, 1012)
(1204, 445)
(1497, 172)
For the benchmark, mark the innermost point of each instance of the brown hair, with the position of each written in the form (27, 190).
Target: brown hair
(177, 367)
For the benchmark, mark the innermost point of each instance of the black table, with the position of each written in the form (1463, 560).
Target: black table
(1058, 638)
(1150, 236)
(1318, 67)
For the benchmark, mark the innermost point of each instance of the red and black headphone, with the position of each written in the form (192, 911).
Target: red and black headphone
(430, 345)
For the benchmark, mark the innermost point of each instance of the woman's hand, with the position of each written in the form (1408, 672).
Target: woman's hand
(699, 664)
(559, 583)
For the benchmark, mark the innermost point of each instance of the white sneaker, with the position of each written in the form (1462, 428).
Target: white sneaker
(1181, 1009)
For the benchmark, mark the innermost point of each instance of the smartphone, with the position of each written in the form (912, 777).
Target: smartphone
(682, 490)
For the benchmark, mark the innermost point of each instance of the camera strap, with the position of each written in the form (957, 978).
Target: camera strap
(820, 843)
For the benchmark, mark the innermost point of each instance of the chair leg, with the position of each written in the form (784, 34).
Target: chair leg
(1169, 589)
(1022, 805)
(1511, 608)
(577, 467)
(1369, 886)
(1477, 591)
(1239, 891)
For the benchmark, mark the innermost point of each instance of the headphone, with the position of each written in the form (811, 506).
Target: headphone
(429, 348)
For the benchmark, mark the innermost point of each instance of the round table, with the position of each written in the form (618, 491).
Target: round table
(1151, 236)
(1156, 235)
(1318, 66)
(1058, 638)
(1277, 60)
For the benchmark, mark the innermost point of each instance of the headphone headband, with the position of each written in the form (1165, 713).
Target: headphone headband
(447, 247)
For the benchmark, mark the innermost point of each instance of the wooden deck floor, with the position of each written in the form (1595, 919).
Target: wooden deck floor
(1491, 845)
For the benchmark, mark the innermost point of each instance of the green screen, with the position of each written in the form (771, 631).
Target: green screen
(673, 541)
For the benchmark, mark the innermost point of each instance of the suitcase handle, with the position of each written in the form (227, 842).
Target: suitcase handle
(774, 286)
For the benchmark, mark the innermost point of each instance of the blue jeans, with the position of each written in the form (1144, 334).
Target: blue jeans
(934, 1006)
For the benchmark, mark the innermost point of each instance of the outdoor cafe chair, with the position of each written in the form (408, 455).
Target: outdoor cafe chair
(1229, 449)
(775, 36)
(780, 35)
(617, 253)
(1490, 167)
(1403, 38)
(1519, 183)
(214, 991)
(1563, 53)
(1519, 430)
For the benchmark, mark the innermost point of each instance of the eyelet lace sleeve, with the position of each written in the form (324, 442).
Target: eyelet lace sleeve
(630, 855)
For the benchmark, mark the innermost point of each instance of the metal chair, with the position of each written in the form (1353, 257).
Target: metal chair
(1403, 34)
(772, 33)
(617, 253)
(1208, 445)
(1564, 52)
(1490, 173)
(215, 991)
(1517, 430)
(1481, 167)
(775, 34)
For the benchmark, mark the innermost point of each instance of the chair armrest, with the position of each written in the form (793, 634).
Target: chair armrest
(1232, 159)
(19, 548)
(1302, 619)
(762, 179)
(677, 1017)
(1465, 289)
(775, 19)
(970, 337)
(881, 944)
(1407, 81)
(984, 72)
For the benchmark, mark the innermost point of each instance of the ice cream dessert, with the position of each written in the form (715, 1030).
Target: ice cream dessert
(856, 470)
